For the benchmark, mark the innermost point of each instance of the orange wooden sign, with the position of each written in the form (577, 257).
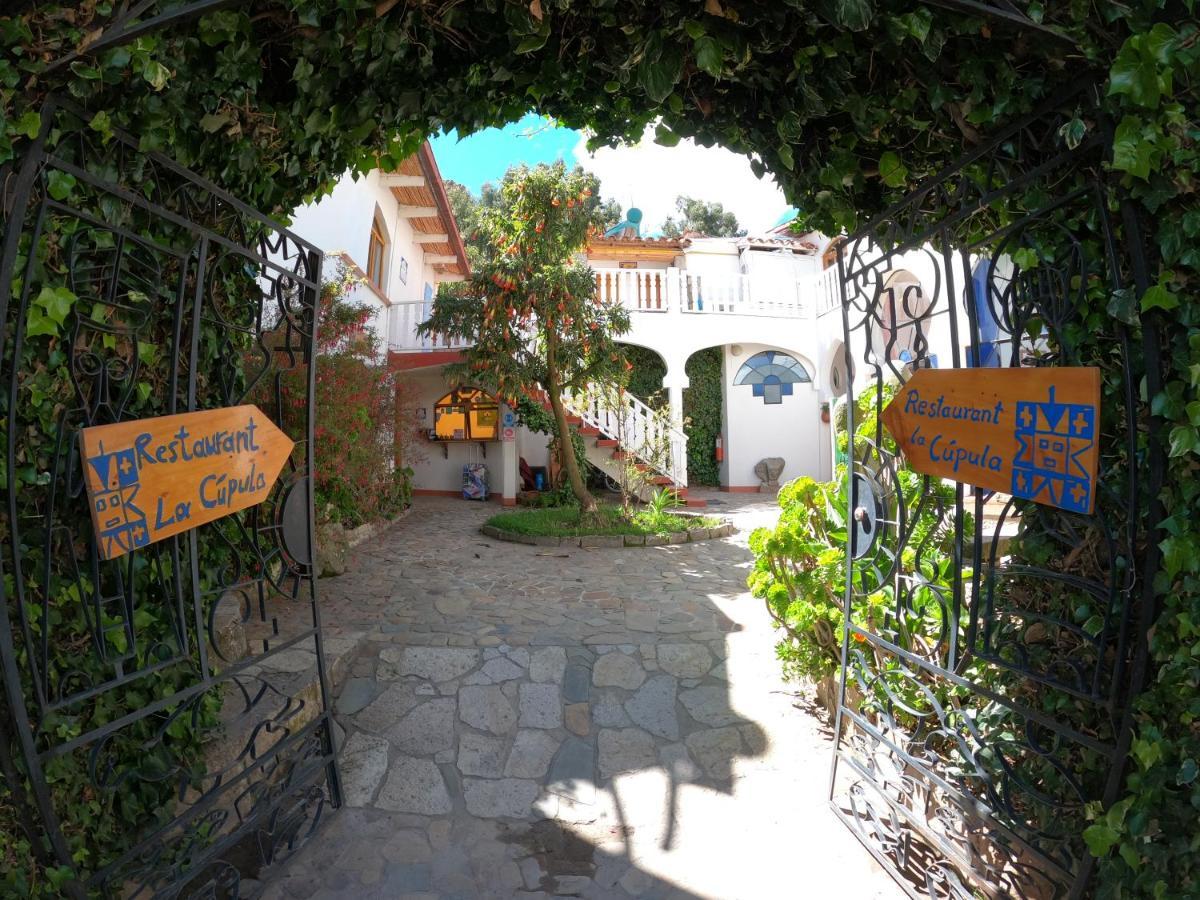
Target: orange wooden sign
(1029, 432)
(148, 479)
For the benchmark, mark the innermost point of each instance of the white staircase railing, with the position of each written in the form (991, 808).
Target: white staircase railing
(639, 429)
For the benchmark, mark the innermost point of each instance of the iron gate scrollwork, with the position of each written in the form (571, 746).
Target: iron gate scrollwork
(992, 646)
(180, 689)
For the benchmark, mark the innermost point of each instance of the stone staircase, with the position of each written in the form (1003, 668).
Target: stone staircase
(619, 428)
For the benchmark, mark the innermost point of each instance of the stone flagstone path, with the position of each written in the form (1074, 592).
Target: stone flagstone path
(535, 722)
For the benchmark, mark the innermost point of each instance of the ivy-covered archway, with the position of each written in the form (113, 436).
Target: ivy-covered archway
(850, 105)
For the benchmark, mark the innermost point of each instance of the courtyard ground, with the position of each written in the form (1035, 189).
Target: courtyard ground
(533, 721)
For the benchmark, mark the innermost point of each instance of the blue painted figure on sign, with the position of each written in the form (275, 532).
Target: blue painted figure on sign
(120, 521)
(1051, 438)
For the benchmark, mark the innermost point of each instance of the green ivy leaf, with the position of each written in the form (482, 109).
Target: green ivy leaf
(1073, 132)
(1026, 258)
(1122, 305)
(853, 14)
(534, 42)
(1184, 439)
(1135, 75)
(784, 152)
(48, 311)
(1100, 839)
(101, 123)
(156, 74)
(658, 74)
(1130, 855)
(1193, 412)
(708, 56)
(1158, 297)
(147, 353)
(790, 128)
(60, 184)
(1147, 752)
(38, 323)
(893, 172)
(665, 136)
(1133, 151)
(29, 124)
(1141, 70)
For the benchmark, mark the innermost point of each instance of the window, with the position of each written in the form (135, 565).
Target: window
(772, 374)
(376, 254)
(466, 414)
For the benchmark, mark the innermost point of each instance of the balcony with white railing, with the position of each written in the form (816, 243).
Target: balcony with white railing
(404, 317)
(676, 308)
(667, 290)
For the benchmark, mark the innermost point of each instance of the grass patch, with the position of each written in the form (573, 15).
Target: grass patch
(564, 521)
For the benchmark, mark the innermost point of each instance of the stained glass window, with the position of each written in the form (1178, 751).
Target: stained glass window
(772, 374)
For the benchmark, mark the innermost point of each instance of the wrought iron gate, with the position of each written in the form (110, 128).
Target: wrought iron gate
(177, 693)
(992, 646)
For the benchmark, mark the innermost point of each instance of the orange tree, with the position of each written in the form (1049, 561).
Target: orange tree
(531, 307)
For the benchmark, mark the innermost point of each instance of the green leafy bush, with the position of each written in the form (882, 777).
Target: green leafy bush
(800, 563)
(702, 404)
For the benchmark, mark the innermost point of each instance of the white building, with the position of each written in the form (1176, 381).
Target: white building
(396, 231)
(771, 304)
(756, 299)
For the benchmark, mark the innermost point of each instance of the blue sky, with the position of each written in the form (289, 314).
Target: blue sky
(486, 155)
(646, 175)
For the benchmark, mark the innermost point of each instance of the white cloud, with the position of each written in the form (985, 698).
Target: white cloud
(650, 177)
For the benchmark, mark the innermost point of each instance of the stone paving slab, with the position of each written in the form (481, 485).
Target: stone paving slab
(537, 721)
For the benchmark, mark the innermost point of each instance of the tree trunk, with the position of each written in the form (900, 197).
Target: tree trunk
(566, 453)
(566, 447)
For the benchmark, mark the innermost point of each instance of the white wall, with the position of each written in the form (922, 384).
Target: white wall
(754, 430)
(533, 447)
(442, 463)
(712, 256)
(341, 223)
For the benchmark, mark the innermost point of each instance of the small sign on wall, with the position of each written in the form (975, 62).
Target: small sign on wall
(149, 479)
(627, 264)
(508, 434)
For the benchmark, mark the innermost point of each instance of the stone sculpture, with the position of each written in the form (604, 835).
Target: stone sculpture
(768, 471)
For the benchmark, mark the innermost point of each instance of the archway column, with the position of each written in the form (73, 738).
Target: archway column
(674, 383)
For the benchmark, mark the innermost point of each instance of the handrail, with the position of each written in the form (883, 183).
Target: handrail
(639, 429)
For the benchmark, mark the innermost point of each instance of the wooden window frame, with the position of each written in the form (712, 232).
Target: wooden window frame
(376, 255)
(480, 401)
